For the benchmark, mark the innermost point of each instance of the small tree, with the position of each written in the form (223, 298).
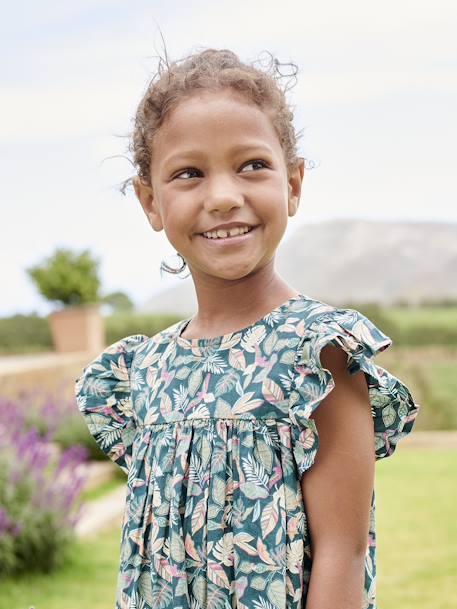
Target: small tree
(119, 302)
(68, 277)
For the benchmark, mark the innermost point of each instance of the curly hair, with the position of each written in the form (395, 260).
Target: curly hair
(214, 70)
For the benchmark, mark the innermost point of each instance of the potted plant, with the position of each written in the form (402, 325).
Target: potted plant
(71, 279)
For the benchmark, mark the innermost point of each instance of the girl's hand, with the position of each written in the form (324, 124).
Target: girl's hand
(337, 489)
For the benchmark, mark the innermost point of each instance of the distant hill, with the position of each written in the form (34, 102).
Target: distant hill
(361, 261)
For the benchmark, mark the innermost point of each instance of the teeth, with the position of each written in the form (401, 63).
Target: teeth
(233, 232)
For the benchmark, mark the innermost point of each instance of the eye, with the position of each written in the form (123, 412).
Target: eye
(262, 164)
(189, 170)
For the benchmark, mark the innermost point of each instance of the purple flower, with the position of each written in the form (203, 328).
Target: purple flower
(34, 481)
(5, 522)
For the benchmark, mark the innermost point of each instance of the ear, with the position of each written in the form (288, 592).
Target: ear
(145, 195)
(295, 179)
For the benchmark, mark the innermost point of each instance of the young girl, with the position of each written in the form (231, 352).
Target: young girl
(249, 432)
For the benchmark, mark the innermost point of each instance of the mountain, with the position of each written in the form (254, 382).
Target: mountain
(345, 260)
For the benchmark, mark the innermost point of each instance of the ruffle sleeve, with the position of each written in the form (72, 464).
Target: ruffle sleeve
(103, 396)
(393, 408)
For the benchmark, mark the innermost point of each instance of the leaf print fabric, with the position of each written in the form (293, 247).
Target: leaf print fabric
(393, 408)
(215, 435)
(103, 395)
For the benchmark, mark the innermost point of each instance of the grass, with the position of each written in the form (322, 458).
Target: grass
(416, 529)
(429, 373)
(415, 317)
(416, 537)
(88, 580)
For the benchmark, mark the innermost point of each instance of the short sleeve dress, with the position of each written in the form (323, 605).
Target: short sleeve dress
(215, 435)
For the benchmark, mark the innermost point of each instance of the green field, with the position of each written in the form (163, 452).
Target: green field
(416, 536)
(417, 529)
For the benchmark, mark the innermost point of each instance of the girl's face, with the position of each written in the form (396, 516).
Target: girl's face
(217, 160)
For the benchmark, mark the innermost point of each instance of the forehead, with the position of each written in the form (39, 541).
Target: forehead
(212, 121)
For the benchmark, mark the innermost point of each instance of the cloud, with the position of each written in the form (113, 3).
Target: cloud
(62, 111)
(89, 80)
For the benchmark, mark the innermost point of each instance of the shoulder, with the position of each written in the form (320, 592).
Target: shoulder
(113, 363)
(335, 345)
(119, 361)
(123, 347)
(321, 323)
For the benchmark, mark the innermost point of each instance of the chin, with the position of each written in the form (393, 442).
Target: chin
(231, 274)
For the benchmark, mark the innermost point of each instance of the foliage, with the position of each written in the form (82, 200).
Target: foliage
(119, 302)
(25, 334)
(67, 277)
(38, 493)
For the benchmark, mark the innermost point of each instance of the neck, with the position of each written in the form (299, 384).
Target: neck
(225, 305)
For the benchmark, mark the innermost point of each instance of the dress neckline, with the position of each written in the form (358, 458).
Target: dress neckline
(225, 338)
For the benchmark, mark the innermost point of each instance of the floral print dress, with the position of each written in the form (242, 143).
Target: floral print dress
(214, 435)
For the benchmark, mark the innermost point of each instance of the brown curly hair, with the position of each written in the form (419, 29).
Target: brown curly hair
(212, 69)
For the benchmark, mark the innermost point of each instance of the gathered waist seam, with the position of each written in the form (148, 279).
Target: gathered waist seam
(268, 420)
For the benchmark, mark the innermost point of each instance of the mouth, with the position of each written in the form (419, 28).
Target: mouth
(237, 239)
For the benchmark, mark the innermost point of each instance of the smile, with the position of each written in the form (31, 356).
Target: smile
(232, 240)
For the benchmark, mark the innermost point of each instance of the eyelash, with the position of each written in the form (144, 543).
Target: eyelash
(190, 169)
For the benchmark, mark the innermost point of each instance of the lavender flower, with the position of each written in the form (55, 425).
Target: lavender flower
(39, 490)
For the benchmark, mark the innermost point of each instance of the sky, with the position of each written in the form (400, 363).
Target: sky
(375, 98)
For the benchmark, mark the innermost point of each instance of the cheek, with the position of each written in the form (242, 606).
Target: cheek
(272, 201)
(178, 222)
(272, 190)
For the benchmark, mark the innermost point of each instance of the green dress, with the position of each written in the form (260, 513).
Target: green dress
(215, 435)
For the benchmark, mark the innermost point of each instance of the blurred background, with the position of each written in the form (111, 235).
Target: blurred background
(79, 263)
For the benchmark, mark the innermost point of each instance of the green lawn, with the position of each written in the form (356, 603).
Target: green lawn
(417, 529)
(87, 582)
(416, 536)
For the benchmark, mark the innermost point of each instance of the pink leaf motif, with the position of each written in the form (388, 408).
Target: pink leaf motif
(269, 519)
(198, 516)
(165, 404)
(272, 392)
(191, 549)
(306, 438)
(237, 359)
(242, 540)
(217, 575)
(264, 554)
(245, 404)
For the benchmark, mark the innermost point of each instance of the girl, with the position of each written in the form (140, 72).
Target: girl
(249, 432)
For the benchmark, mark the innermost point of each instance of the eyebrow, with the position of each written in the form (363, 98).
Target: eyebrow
(192, 152)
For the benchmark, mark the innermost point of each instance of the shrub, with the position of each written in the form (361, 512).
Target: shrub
(68, 277)
(25, 334)
(38, 494)
(53, 416)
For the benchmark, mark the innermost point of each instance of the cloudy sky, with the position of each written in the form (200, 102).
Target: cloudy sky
(376, 98)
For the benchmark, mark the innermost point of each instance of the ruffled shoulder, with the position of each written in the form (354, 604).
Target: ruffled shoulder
(103, 396)
(392, 406)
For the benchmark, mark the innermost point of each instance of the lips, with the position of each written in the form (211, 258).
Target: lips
(238, 239)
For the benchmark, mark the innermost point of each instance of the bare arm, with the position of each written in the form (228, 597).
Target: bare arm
(337, 489)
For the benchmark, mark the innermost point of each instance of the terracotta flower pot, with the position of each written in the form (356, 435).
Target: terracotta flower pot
(78, 328)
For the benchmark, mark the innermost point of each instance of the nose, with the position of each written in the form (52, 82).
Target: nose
(222, 194)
